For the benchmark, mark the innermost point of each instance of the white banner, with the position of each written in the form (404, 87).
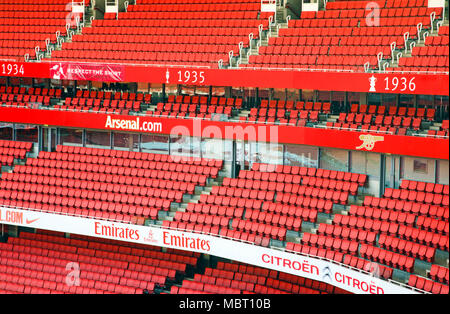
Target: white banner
(300, 265)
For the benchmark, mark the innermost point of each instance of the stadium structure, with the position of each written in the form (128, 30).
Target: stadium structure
(224, 147)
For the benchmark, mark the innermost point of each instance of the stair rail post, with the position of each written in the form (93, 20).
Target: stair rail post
(241, 47)
(393, 45)
(260, 29)
(379, 58)
(270, 26)
(432, 18)
(405, 39)
(419, 29)
(230, 57)
(399, 55)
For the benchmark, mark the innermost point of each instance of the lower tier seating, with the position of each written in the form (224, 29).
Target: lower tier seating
(42, 263)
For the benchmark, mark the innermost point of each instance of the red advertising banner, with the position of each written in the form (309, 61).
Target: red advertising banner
(87, 71)
(437, 148)
(397, 83)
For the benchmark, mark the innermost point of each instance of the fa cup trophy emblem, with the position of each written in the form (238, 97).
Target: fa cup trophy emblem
(167, 76)
(372, 81)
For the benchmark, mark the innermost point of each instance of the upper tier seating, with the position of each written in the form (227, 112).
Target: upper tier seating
(287, 112)
(340, 38)
(431, 57)
(28, 24)
(169, 32)
(182, 106)
(103, 183)
(37, 263)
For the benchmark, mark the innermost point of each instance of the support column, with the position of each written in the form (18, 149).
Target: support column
(233, 160)
(382, 174)
(164, 93)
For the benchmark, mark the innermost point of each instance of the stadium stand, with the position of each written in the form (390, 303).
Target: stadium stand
(101, 183)
(373, 202)
(152, 32)
(342, 37)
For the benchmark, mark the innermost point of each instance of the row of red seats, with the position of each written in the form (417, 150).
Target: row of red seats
(331, 243)
(394, 111)
(5, 144)
(380, 120)
(98, 103)
(367, 128)
(387, 258)
(248, 278)
(286, 210)
(262, 195)
(427, 285)
(215, 210)
(138, 156)
(25, 98)
(276, 220)
(310, 172)
(346, 233)
(101, 183)
(203, 100)
(297, 105)
(402, 231)
(290, 184)
(202, 219)
(439, 273)
(440, 134)
(93, 109)
(408, 219)
(97, 210)
(407, 248)
(239, 286)
(170, 108)
(84, 93)
(322, 204)
(428, 187)
(177, 259)
(139, 196)
(121, 175)
(183, 115)
(426, 209)
(128, 167)
(417, 196)
(37, 91)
